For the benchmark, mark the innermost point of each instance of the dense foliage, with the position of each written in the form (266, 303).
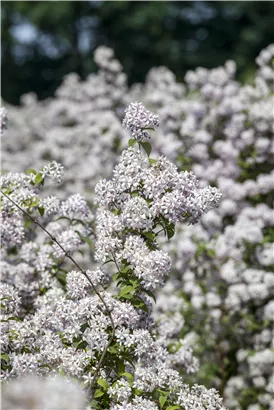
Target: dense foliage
(66, 308)
(42, 41)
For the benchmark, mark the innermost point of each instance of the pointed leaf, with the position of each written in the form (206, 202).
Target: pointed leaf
(126, 290)
(170, 229)
(41, 210)
(147, 147)
(30, 171)
(39, 178)
(128, 376)
(5, 357)
(149, 235)
(98, 393)
(103, 383)
(120, 366)
(162, 401)
(132, 142)
(149, 293)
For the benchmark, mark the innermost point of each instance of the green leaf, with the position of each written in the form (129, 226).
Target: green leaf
(39, 178)
(135, 283)
(98, 393)
(30, 171)
(127, 296)
(80, 345)
(120, 366)
(152, 161)
(132, 142)
(170, 229)
(113, 350)
(87, 240)
(17, 319)
(94, 404)
(128, 376)
(126, 290)
(211, 253)
(103, 383)
(149, 293)
(147, 147)
(115, 276)
(162, 401)
(126, 269)
(149, 235)
(5, 357)
(41, 210)
(176, 407)
(139, 304)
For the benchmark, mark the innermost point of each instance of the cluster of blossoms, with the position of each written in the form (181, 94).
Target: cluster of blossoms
(218, 300)
(34, 265)
(138, 119)
(145, 193)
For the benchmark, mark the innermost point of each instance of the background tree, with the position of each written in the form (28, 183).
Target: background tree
(43, 41)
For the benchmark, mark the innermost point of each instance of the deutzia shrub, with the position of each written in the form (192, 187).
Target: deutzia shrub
(218, 299)
(96, 325)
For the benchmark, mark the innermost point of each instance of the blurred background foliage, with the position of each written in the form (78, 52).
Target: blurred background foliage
(44, 40)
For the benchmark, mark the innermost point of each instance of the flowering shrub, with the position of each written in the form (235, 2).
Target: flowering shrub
(97, 325)
(218, 300)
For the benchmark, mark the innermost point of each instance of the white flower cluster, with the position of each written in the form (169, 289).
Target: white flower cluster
(30, 258)
(139, 198)
(138, 119)
(151, 266)
(53, 170)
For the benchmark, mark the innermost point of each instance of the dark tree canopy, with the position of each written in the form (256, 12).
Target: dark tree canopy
(44, 40)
